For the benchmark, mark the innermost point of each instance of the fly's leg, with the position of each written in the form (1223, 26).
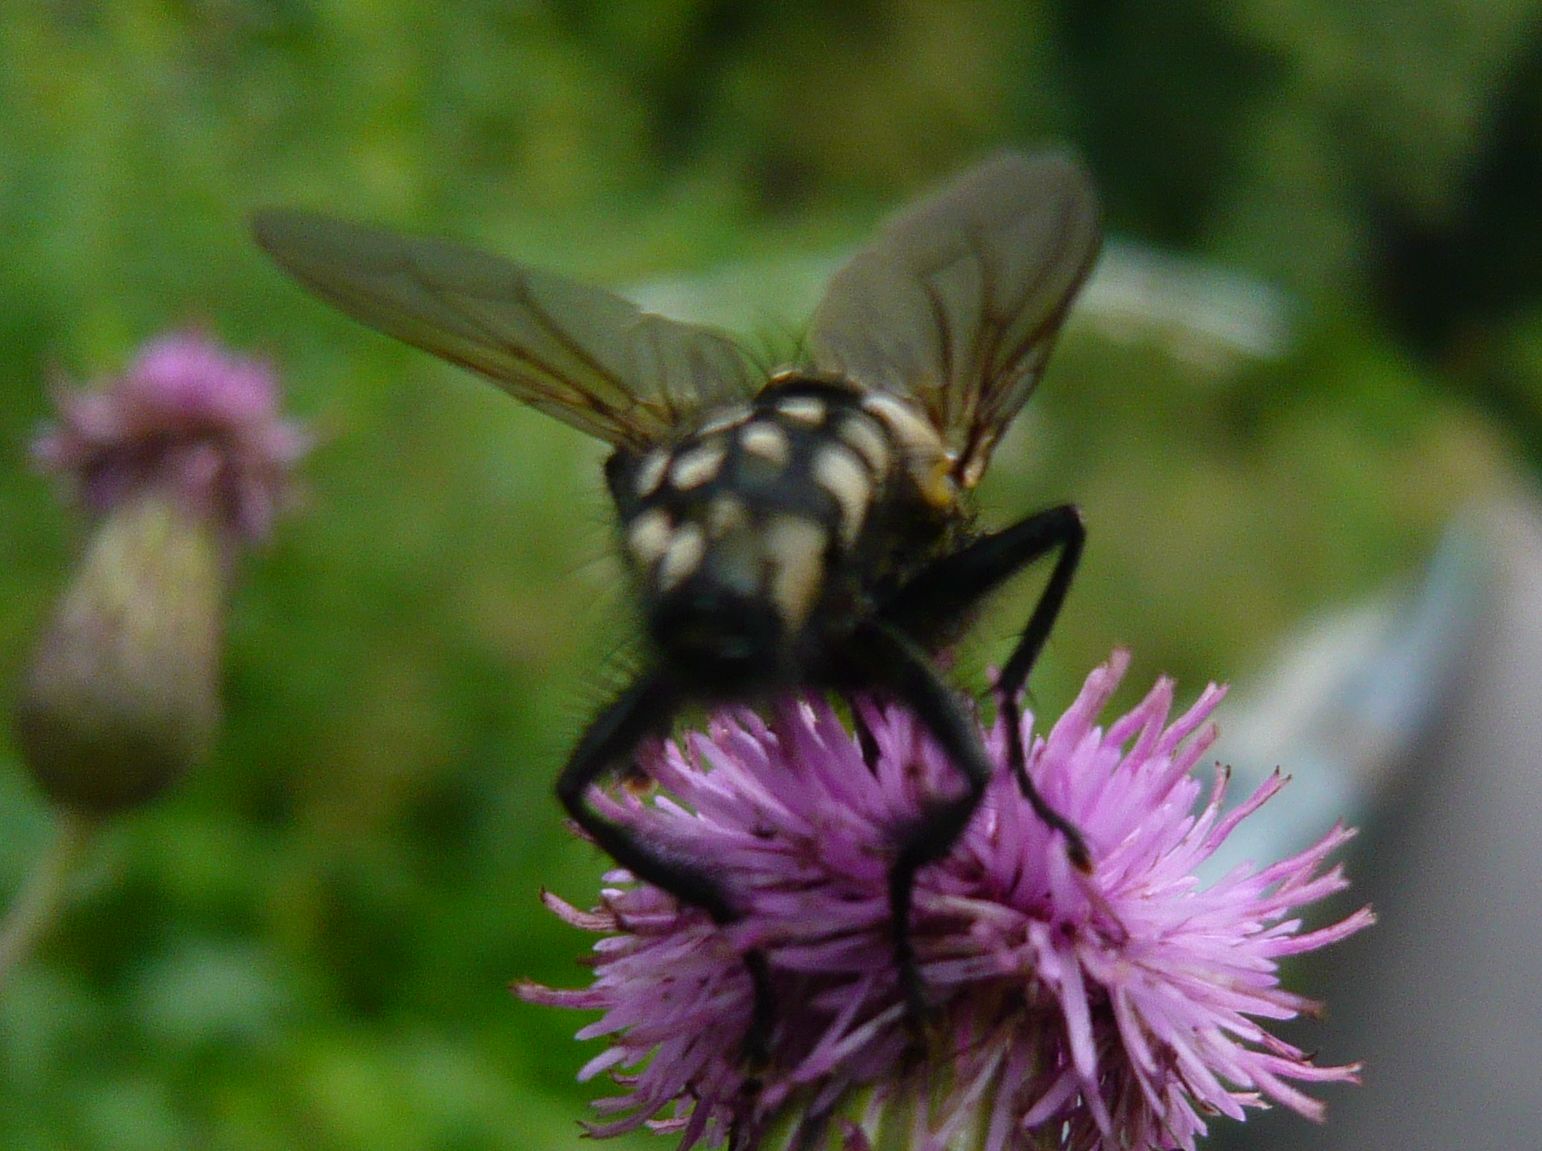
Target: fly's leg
(951, 586)
(884, 658)
(606, 747)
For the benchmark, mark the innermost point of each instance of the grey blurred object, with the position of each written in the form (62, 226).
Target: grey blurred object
(1199, 312)
(1425, 728)
(1347, 699)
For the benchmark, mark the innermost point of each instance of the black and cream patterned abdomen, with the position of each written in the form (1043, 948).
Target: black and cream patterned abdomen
(770, 525)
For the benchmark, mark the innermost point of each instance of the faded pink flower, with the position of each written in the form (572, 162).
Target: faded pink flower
(188, 419)
(1115, 1010)
(182, 459)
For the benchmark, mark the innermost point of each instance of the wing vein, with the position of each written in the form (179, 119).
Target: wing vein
(564, 340)
(958, 300)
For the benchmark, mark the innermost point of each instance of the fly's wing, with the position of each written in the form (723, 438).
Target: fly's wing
(581, 354)
(957, 303)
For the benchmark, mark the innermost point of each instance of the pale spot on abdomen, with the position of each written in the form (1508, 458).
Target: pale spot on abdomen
(795, 554)
(839, 472)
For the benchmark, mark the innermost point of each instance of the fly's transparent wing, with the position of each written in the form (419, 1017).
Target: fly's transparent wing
(581, 354)
(957, 303)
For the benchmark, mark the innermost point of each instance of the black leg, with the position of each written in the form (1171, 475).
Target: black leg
(608, 745)
(1060, 528)
(949, 588)
(887, 660)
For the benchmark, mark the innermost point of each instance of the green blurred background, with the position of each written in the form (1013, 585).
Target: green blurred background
(307, 944)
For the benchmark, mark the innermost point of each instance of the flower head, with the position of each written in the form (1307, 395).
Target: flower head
(181, 458)
(1116, 1009)
(188, 419)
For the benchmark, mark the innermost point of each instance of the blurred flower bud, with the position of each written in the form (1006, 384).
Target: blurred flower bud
(181, 459)
(121, 698)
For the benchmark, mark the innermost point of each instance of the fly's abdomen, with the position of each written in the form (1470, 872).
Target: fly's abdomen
(762, 526)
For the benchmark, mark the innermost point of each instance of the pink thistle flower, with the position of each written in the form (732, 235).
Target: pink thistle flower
(181, 459)
(1117, 1009)
(187, 419)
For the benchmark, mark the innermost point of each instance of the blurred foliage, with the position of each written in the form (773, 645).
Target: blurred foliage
(306, 945)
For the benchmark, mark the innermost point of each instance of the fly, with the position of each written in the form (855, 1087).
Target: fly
(813, 529)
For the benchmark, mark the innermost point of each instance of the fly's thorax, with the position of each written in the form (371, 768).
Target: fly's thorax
(745, 532)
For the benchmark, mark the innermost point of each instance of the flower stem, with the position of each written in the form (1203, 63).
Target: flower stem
(37, 904)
